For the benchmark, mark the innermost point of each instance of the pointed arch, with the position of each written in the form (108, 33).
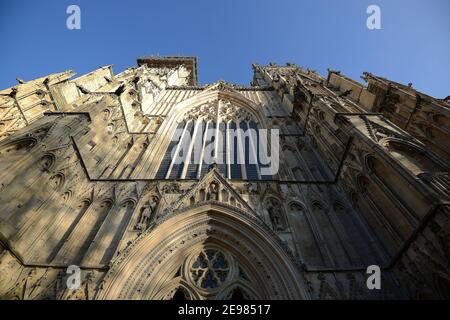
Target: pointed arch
(149, 264)
(412, 156)
(182, 114)
(235, 97)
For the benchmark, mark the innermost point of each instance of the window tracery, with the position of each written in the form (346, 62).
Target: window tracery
(210, 269)
(210, 272)
(217, 132)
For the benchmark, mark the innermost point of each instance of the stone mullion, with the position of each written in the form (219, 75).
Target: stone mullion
(241, 150)
(228, 154)
(177, 149)
(216, 143)
(253, 149)
(191, 147)
(205, 135)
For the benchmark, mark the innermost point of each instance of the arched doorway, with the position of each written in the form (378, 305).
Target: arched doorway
(208, 252)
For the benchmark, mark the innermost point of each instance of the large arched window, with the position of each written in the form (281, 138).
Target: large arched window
(211, 273)
(217, 133)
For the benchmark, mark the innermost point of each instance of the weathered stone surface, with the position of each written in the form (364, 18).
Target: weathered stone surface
(87, 179)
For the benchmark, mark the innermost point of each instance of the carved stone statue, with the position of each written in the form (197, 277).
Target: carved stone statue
(214, 191)
(275, 214)
(146, 212)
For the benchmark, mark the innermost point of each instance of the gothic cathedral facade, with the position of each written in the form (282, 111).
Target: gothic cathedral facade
(89, 178)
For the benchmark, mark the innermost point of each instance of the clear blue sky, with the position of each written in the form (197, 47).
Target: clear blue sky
(227, 36)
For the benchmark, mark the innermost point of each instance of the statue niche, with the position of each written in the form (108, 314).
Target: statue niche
(276, 215)
(213, 192)
(146, 213)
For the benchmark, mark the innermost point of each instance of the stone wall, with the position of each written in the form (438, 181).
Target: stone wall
(357, 186)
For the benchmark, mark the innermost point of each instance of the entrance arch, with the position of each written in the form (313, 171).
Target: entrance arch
(211, 251)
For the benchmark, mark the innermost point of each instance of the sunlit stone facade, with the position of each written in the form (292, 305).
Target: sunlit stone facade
(87, 178)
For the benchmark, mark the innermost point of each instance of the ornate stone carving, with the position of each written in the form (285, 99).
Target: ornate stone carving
(78, 187)
(146, 212)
